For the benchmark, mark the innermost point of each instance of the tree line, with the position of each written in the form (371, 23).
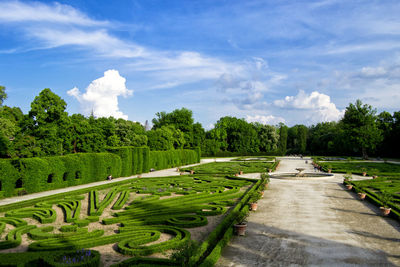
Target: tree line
(48, 130)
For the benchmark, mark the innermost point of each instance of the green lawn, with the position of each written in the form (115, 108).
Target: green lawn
(232, 167)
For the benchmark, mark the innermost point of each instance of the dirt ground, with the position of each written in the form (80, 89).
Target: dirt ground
(314, 222)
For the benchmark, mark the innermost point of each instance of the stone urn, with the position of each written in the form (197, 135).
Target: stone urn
(240, 228)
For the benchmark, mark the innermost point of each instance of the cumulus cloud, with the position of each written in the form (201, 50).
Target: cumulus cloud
(246, 86)
(101, 96)
(320, 106)
(270, 119)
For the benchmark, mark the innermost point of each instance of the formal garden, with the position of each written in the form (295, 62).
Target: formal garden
(382, 187)
(163, 221)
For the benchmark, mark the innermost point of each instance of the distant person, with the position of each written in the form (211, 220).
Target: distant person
(109, 177)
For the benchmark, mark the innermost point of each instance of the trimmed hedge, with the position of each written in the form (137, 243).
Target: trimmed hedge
(91, 258)
(30, 175)
(172, 158)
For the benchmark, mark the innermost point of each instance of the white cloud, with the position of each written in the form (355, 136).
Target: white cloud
(101, 96)
(318, 105)
(270, 119)
(15, 11)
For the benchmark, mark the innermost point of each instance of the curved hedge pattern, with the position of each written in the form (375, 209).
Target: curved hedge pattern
(142, 219)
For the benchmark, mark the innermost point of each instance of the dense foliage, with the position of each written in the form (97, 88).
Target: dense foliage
(48, 130)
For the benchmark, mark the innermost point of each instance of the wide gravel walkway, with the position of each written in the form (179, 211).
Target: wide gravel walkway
(314, 222)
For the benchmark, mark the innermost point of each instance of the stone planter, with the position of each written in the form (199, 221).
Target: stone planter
(362, 196)
(240, 229)
(253, 206)
(385, 211)
(349, 186)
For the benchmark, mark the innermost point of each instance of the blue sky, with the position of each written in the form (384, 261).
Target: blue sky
(267, 61)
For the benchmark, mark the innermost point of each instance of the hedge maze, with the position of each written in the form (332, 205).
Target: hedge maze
(142, 210)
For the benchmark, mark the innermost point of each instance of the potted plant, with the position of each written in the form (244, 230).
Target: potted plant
(347, 178)
(265, 180)
(374, 173)
(254, 197)
(329, 168)
(364, 171)
(361, 194)
(241, 225)
(386, 198)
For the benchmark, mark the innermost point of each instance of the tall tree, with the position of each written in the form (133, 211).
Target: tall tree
(3, 94)
(181, 119)
(360, 125)
(49, 123)
(283, 136)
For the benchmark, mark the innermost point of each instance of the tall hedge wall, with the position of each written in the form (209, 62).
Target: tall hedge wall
(172, 158)
(30, 175)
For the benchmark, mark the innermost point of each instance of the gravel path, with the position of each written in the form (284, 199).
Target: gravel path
(314, 223)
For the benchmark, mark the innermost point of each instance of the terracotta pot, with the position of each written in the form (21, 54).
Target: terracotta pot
(240, 172)
(329, 171)
(236, 174)
(262, 193)
(253, 206)
(362, 196)
(349, 186)
(385, 211)
(240, 229)
(266, 186)
(191, 171)
(364, 174)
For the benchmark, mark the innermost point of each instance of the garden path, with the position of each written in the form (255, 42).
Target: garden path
(161, 173)
(314, 222)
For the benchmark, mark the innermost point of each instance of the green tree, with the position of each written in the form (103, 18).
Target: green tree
(268, 137)
(181, 119)
(361, 127)
(283, 136)
(3, 94)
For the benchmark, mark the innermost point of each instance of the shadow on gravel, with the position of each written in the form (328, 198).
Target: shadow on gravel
(270, 246)
(367, 234)
(352, 211)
